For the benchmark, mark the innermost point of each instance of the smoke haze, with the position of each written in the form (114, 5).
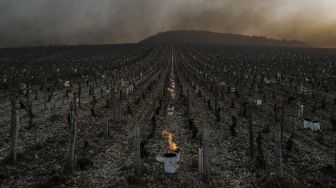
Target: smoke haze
(63, 22)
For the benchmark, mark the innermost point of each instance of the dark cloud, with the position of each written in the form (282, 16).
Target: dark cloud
(49, 22)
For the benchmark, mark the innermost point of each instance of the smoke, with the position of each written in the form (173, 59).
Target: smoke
(63, 22)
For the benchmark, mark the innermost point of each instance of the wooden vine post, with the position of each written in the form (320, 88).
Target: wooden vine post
(137, 150)
(45, 90)
(188, 103)
(205, 155)
(216, 99)
(251, 133)
(282, 121)
(72, 138)
(277, 148)
(114, 107)
(29, 107)
(335, 152)
(79, 93)
(14, 129)
(120, 95)
(108, 128)
(75, 103)
(112, 90)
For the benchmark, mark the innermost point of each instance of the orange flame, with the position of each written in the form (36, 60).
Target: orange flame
(171, 144)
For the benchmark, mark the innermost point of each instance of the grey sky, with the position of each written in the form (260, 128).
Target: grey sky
(49, 22)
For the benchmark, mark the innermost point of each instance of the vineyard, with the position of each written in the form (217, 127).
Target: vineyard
(139, 115)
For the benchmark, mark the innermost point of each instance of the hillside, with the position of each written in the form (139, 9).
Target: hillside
(216, 39)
